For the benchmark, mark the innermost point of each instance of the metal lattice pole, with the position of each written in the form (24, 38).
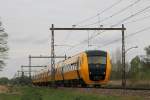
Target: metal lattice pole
(101, 28)
(123, 60)
(53, 56)
(30, 66)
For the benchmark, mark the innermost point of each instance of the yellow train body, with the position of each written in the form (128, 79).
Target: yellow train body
(87, 68)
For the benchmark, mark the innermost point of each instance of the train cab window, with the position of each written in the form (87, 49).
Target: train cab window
(97, 60)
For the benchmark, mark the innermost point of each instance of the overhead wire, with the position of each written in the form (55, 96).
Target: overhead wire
(140, 19)
(131, 34)
(116, 3)
(131, 16)
(127, 18)
(133, 21)
(117, 13)
(67, 36)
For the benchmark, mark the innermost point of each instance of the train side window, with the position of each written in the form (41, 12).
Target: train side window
(74, 66)
(80, 61)
(68, 68)
(71, 67)
(77, 64)
(58, 70)
(63, 69)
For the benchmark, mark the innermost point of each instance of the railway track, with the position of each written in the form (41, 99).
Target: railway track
(121, 88)
(126, 88)
(114, 91)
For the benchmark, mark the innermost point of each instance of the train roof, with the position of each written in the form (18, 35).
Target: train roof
(96, 53)
(88, 52)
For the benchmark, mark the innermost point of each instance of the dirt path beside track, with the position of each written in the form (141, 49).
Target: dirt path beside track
(3, 89)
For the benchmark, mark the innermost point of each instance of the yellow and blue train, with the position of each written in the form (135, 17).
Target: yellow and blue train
(89, 68)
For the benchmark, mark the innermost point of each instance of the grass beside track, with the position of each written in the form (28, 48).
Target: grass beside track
(38, 93)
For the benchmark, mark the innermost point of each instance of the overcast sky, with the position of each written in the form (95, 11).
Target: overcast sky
(27, 23)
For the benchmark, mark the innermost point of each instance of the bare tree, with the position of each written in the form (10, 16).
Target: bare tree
(3, 46)
(116, 65)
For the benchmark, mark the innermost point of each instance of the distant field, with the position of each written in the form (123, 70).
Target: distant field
(37, 93)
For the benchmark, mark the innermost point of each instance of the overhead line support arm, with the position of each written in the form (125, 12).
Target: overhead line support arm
(87, 28)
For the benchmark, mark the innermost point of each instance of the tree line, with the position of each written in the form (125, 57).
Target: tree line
(15, 81)
(138, 68)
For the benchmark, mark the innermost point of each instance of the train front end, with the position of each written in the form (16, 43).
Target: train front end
(97, 66)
